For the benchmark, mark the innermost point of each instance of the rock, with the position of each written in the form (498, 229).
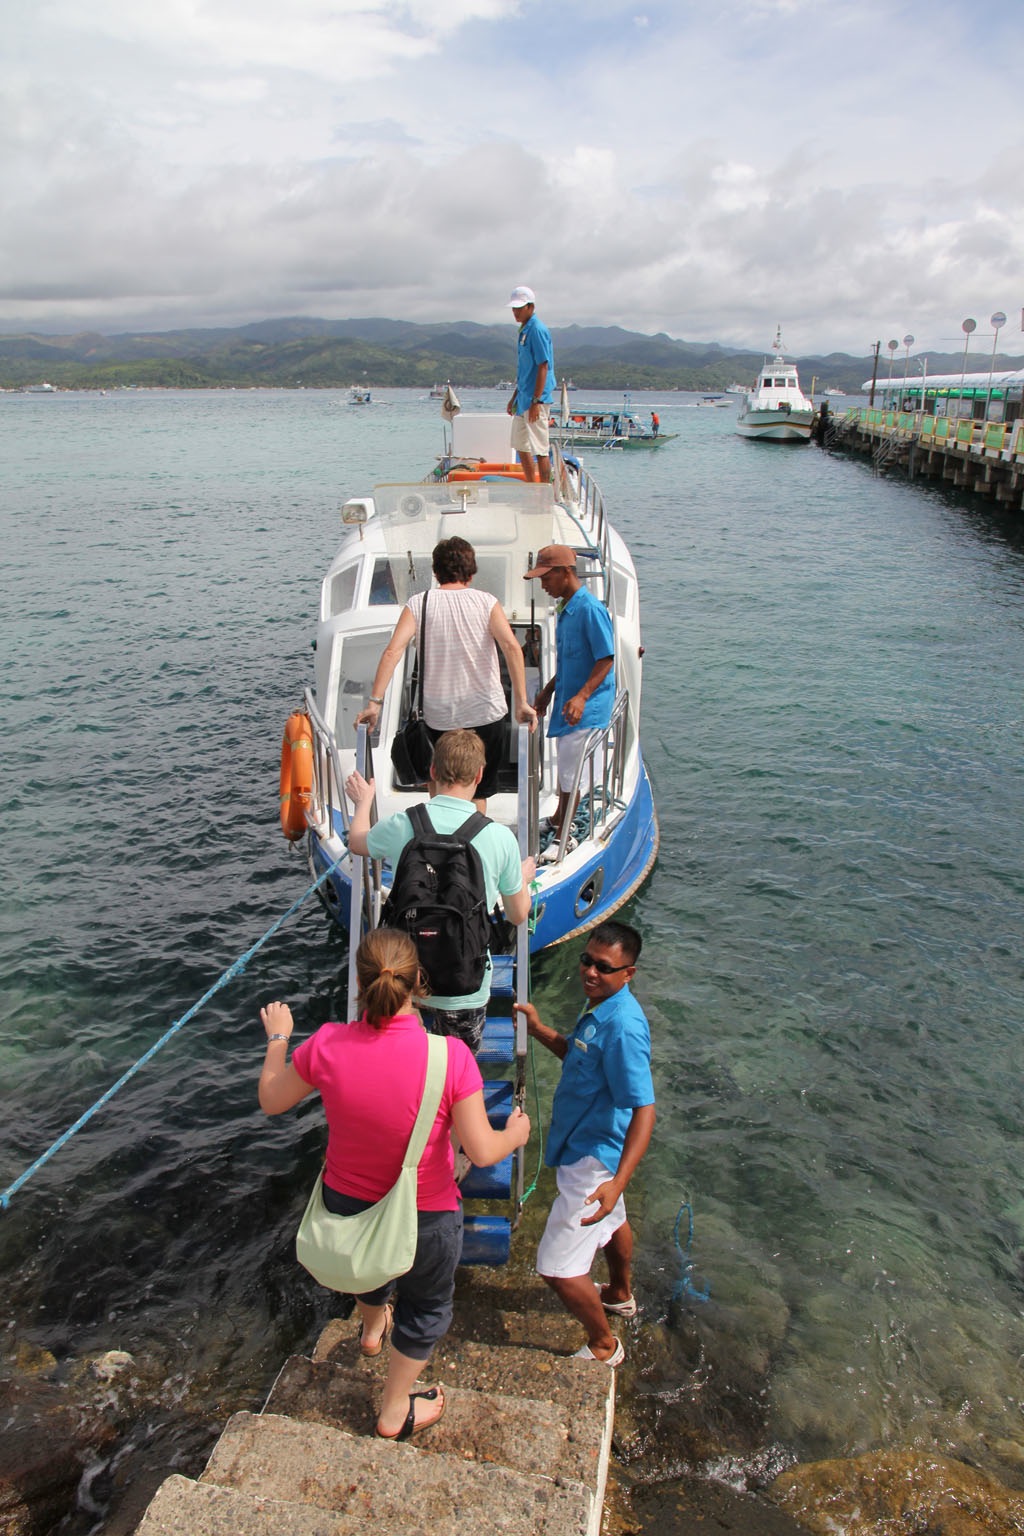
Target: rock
(888, 1493)
(46, 1446)
(105, 1367)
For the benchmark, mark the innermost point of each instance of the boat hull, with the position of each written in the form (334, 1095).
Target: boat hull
(587, 891)
(776, 426)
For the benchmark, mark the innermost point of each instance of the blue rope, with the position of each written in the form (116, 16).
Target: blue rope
(684, 1287)
(232, 971)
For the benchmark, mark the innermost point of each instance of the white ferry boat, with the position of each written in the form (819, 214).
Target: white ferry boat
(776, 408)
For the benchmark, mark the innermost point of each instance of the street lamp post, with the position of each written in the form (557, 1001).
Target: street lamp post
(967, 327)
(998, 320)
(892, 345)
(908, 342)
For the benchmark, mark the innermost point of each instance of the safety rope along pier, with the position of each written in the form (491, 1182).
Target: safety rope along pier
(232, 971)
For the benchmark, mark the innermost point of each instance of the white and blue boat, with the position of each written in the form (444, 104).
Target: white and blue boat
(385, 556)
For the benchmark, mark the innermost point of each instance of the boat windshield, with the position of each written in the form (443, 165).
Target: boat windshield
(506, 521)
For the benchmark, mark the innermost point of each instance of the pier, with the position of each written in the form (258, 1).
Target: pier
(985, 458)
(522, 1450)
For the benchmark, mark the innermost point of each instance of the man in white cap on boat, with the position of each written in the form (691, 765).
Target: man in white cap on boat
(535, 388)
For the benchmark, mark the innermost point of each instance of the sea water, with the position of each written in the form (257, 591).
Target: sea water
(832, 720)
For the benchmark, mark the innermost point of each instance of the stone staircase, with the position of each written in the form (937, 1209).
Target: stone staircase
(522, 1450)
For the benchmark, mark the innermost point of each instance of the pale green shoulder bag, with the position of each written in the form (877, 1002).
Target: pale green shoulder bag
(359, 1253)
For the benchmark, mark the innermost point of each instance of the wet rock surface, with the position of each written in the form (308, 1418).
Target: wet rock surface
(889, 1493)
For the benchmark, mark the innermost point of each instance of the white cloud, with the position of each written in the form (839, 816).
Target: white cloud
(701, 170)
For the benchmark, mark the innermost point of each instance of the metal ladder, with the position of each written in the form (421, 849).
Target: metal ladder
(487, 1232)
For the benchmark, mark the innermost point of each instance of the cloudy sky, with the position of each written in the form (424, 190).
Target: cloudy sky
(852, 169)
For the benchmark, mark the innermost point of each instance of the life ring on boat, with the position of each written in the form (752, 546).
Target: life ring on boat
(296, 775)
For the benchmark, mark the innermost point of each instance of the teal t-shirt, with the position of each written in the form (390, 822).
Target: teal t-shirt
(499, 855)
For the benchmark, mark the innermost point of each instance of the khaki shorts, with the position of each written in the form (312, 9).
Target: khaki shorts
(532, 437)
(570, 749)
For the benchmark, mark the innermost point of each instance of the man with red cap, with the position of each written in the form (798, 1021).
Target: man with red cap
(584, 682)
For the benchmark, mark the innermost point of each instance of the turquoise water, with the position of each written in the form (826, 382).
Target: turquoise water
(833, 724)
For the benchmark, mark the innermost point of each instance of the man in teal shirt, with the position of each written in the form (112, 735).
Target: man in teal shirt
(455, 773)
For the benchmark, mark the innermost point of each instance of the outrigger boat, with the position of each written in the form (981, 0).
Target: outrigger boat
(594, 427)
(385, 556)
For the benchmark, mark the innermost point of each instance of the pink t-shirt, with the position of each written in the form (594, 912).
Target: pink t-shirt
(371, 1083)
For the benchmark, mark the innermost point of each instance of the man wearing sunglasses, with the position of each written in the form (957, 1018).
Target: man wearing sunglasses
(602, 1117)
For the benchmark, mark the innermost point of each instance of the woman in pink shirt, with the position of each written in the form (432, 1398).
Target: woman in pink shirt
(370, 1076)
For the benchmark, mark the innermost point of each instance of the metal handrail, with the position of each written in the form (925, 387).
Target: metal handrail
(605, 810)
(328, 778)
(366, 880)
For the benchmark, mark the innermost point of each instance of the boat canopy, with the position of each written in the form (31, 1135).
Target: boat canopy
(969, 386)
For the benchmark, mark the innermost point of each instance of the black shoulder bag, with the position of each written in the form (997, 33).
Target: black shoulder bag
(412, 749)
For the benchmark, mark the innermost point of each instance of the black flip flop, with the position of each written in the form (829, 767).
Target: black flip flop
(410, 1427)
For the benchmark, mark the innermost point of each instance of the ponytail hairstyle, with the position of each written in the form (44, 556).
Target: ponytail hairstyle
(388, 972)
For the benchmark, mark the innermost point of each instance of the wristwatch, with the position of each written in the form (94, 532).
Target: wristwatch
(371, 700)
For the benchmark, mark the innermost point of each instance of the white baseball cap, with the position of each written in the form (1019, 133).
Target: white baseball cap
(520, 297)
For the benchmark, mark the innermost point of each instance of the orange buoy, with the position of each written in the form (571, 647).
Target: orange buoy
(296, 775)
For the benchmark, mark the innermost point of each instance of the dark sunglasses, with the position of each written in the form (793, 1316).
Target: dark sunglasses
(588, 963)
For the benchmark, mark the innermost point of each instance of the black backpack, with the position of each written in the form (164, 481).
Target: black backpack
(439, 899)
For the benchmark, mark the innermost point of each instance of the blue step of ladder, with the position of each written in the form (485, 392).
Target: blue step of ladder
(494, 1183)
(486, 1240)
(502, 975)
(498, 1047)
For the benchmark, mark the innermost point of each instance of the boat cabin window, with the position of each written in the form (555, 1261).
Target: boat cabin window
(343, 588)
(382, 585)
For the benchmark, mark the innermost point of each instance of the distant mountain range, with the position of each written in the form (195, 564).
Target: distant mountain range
(301, 352)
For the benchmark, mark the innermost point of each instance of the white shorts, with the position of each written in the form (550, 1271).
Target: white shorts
(532, 437)
(567, 1248)
(570, 750)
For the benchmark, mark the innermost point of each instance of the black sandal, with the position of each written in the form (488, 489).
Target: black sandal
(410, 1427)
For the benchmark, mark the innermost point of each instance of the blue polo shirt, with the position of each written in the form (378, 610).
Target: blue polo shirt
(534, 348)
(606, 1074)
(583, 636)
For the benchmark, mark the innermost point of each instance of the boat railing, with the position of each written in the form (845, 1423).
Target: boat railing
(328, 778)
(593, 524)
(367, 885)
(600, 778)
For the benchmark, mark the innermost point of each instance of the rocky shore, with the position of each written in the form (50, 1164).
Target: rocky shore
(87, 1442)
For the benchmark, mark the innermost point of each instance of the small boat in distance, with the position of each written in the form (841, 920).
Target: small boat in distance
(438, 390)
(360, 396)
(589, 427)
(713, 400)
(776, 409)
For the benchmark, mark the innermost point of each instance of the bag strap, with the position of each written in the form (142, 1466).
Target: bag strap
(421, 657)
(472, 825)
(422, 825)
(433, 1087)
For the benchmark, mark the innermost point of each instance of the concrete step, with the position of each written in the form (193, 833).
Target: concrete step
(522, 1449)
(552, 1434)
(358, 1480)
(397, 1505)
